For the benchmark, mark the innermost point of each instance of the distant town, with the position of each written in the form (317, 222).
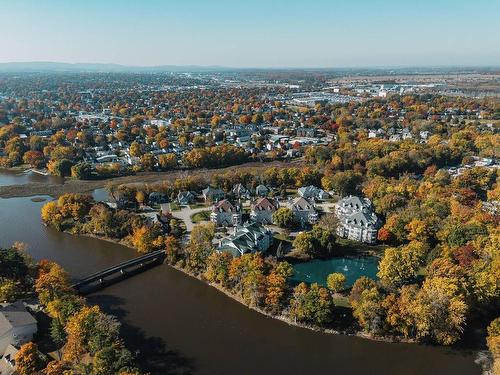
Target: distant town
(349, 202)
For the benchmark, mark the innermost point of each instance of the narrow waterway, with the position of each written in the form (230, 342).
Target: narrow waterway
(182, 326)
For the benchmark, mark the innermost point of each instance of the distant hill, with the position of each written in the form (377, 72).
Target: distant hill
(48, 66)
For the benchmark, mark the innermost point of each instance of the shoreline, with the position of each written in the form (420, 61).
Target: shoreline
(88, 186)
(282, 318)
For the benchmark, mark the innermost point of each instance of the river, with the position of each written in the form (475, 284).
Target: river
(179, 325)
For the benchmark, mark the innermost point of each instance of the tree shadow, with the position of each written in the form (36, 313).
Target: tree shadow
(151, 353)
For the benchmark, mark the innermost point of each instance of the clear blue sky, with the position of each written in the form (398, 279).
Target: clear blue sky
(257, 33)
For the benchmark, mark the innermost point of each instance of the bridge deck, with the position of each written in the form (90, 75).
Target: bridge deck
(153, 256)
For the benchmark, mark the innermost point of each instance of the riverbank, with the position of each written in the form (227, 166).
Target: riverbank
(88, 186)
(283, 318)
(290, 322)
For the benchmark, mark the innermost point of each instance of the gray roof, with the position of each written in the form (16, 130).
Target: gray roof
(14, 315)
(244, 240)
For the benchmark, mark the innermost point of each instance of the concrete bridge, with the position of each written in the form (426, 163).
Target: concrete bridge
(119, 272)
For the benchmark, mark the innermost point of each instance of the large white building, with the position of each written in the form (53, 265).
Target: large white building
(248, 238)
(357, 221)
(224, 213)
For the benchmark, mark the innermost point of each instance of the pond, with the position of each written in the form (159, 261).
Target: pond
(317, 271)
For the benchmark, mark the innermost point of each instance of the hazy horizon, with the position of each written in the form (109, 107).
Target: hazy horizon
(261, 34)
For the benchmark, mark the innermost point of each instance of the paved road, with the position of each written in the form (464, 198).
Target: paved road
(185, 215)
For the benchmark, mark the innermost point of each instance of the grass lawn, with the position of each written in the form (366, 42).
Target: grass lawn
(174, 206)
(282, 237)
(200, 216)
(348, 247)
(341, 301)
(198, 205)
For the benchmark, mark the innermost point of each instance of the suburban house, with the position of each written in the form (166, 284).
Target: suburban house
(241, 191)
(157, 198)
(214, 195)
(17, 326)
(357, 221)
(306, 132)
(262, 210)
(262, 191)
(247, 238)
(8, 362)
(303, 211)
(224, 213)
(185, 197)
(313, 192)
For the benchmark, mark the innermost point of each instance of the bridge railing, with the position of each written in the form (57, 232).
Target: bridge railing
(119, 267)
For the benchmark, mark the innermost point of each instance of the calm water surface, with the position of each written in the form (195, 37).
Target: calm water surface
(317, 271)
(186, 327)
(8, 177)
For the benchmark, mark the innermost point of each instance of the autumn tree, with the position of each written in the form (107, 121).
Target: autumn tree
(81, 171)
(167, 161)
(147, 238)
(172, 249)
(217, 270)
(336, 282)
(200, 246)
(247, 278)
(400, 265)
(440, 310)
(277, 287)
(89, 331)
(34, 158)
(493, 342)
(311, 304)
(28, 359)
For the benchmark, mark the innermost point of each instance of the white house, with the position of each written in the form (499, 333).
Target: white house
(303, 211)
(17, 325)
(313, 192)
(224, 213)
(357, 221)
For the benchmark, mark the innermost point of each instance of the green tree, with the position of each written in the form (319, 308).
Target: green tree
(81, 171)
(283, 217)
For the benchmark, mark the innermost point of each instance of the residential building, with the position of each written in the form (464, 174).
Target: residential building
(306, 132)
(357, 220)
(224, 213)
(185, 197)
(247, 238)
(262, 191)
(211, 194)
(240, 191)
(17, 325)
(262, 210)
(312, 192)
(157, 198)
(303, 211)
